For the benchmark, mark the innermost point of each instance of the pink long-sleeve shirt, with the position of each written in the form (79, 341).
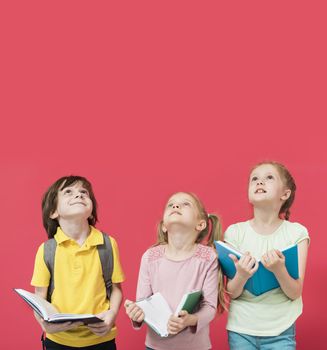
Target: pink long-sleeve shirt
(173, 279)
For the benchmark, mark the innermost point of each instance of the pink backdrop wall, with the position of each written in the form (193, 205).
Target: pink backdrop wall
(146, 98)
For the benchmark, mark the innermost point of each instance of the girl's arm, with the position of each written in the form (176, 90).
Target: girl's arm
(208, 305)
(52, 327)
(274, 261)
(144, 290)
(110, 315)
(134, 312)
(246, 266)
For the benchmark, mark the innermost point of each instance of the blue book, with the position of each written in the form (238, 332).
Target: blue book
(263, 280)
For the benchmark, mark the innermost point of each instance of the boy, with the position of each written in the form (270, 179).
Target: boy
(69, 213)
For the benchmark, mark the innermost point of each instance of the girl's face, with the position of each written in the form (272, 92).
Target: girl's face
(73, 202)
(266, 185)
(181, 210)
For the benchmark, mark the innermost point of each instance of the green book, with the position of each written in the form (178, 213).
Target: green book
(157, 311)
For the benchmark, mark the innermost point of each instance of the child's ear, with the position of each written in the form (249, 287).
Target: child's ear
(286, 195)
(201, 225)
(54, 215)
(164, 228)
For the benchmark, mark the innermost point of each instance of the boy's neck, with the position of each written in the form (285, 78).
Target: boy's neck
(75, 229)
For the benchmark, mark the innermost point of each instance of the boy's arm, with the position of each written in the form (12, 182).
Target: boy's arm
(52, 327)
(116, 298)
(110, 315)
(275, 262)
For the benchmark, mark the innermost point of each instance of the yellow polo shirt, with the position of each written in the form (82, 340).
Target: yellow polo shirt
(79, 284)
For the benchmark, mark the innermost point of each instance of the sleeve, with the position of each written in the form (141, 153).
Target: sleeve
(144, 288)
(118, 275)
(41, 274)
(231, 236)
(301, 233)
(208, 306)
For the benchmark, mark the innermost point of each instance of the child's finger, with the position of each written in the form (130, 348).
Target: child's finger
(234, 258)
(279, 254)
(255, 267)
(173, 318)
(251, 263)
(138, 316)
(182, 313)
(127, 303)
(172, 328)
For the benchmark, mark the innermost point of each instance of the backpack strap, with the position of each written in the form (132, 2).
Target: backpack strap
(106, 259)
(49, 256)
(107, 262)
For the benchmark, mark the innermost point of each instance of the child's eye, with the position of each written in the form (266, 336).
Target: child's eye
(255, 178)
(186, 203)
(68, 191)
(270, 177)
(84, 191)
(170, 205)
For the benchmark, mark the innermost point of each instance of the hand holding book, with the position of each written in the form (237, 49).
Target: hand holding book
(133, 311)
(274, 260)
(102, 328)
(156, 312)
(245, 266)
(177, 323)
(51, 328)
(262, 278)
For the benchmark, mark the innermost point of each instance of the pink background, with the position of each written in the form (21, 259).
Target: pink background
(146, 98)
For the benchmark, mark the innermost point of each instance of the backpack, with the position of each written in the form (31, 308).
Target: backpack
(106, 258)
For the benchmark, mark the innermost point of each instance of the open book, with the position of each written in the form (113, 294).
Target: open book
(263, 280)
(49, 313)
(157, 311)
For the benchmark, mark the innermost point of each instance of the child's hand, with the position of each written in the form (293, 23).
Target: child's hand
(56, 327)
(184, 319)
(134, 312)
(246, 266)
(274, 260)
(102, 328)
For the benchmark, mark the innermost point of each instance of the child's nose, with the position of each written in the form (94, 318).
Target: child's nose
(176, 206)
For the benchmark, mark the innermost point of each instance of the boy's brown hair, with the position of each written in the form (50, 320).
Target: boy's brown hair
(50, 201)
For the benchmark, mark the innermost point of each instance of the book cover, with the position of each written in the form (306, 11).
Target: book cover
(157, 311)
(49, 313)
(263, 280)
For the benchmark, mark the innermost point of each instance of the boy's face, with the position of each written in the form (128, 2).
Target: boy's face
(73, 202)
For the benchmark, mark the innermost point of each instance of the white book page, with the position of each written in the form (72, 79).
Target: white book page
(180, 305)
(157, 312)
(41, 304)
(232, 249)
